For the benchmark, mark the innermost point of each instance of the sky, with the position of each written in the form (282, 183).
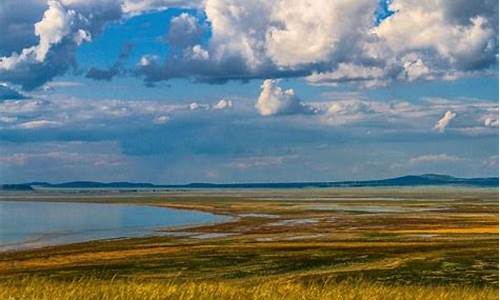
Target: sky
(174, 91)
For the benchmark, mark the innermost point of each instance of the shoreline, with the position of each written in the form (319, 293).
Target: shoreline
(41, 241)
(424, 237)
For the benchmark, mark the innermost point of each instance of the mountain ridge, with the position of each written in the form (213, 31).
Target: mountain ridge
(408, 180)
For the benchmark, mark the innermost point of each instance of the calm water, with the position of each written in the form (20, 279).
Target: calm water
(37, 224)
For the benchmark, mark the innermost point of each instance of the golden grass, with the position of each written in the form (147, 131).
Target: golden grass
(432, 253)
(469, 230)
(31, 288)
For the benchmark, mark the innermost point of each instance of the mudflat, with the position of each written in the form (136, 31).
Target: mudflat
(279, 244)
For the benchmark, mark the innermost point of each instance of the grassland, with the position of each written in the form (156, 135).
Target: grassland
(87, 289)
(408, 243)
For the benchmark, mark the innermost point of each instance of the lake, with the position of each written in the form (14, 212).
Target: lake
(36, 224)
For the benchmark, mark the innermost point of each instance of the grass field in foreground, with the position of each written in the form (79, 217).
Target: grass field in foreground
(87, 289)
(408, 243)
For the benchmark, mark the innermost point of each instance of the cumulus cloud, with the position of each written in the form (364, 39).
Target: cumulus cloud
(369, 115)
(348, 112)
(184, 30)
(339, 42)
(223, 104)
(491, 122)
(197, 52)
(414, 68)
(438, 27)
(423, 40)
(353, 110)
(194, 106)
(63, 26)
(53, 27)
(331, 42)
(444, 121)
(40, 38)
(258, 39)
(275, 101)
(16, 24)
(490, 118)
(325, 30)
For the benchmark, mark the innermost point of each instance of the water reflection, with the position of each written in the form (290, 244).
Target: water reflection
(34, 224)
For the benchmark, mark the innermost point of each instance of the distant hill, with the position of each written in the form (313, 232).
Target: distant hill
(92, 184)
(16, 187)
(410, 180)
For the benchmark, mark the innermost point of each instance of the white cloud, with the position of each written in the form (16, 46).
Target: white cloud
(39, 124)
(220, 105)
(70, 113)
(77, 156)
(333, 41)
(198, 106)
(62, 27)
(22, 107)
(53, 27)
(370, 76)
(432, 26)
(444, 121)
(87, 113)
(17, 19)
(184, 30)
(60, 84)
(415, 68)
(194, 106)
(246, 163)
(82, 36)
(491, 121)
(141, 6)
(434, 158)
(491, 161)
(346, 112)
(161, 119)
(275, 101)
(65, 24)
(148, 60)
(336, 42)
(323, 29)
(223, 104)
(355, 110)
(197, 53)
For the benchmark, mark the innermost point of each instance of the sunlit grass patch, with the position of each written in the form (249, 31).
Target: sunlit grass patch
(39, 288)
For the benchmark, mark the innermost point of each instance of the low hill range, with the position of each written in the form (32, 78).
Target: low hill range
(410, 180)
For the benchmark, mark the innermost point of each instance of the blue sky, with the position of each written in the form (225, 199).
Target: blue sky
(235, 91)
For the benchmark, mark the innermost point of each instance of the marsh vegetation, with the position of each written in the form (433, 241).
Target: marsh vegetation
(406, 243)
